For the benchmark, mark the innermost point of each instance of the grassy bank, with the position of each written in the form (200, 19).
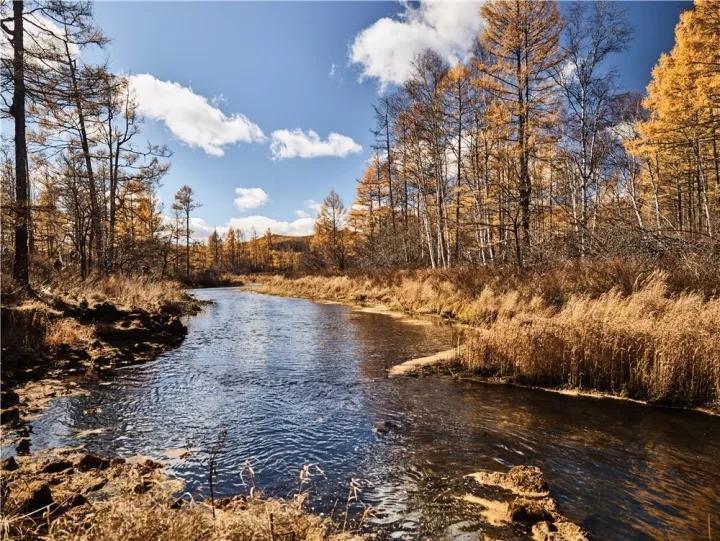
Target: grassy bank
(72, 327)
(64, 495)
(618, 327)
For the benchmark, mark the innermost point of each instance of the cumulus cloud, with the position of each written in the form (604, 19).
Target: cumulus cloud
(387, 49)
(43, 44)
(191, 117)
(313, 205)
(298, 144)
(298, 227)
(250, 198)
(301, 226)
(201, 230)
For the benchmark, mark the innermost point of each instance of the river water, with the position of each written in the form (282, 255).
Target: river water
(294, 383)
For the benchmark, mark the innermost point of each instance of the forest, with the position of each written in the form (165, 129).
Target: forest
(525, 155)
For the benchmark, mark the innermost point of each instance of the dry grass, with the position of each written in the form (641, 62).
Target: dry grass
(616, 327)
(645, 345)
(127, 291)
(68, 331)
(151, 516)
(127, 502)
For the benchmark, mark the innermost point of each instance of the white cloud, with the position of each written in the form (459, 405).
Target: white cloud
(43, 41)
(332, 72)
(313, 205)
(302, 214)
(250, 198)
(302, 226)
(191, 117)
(299, 227)
(298, 144)
(387, 49)
(201, 230)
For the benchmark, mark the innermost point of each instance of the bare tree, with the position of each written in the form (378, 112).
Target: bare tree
(185, 203)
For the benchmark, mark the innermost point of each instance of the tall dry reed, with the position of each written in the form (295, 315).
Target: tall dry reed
(614, 327)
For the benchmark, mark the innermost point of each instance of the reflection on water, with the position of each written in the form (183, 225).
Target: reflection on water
(297, 383)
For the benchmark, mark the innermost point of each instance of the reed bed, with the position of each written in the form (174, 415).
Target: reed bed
(127, 291)
(624, 329)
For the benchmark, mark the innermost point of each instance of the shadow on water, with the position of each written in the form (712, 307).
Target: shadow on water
(297, 383)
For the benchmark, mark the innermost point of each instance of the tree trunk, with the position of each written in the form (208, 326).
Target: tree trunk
(21, 271)
(95, 218)
(187, 243)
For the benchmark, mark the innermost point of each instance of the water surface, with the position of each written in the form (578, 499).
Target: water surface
(295, 383)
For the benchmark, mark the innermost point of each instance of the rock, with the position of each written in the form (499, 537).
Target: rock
(56, 466)
(383, 427)
(529, 511)
(544, 531)
(8, 398)
(10, 416)
(558, 531)
(95, 484)
(23, 446)
(32, 496)
(9, 464)
(105, 311)
(74, 501)
(88, 462)
(176, 327)
(528, 479)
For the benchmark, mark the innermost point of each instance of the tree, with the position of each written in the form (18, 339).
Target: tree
(230, 250)
(39, 76)
(521, 41)
(17, 110)
(679, 141)
(593, 31)
(215, 246)
(185, 203)
(119, 124)
(329, 239)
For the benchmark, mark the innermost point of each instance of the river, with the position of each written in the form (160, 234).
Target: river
(295, 383)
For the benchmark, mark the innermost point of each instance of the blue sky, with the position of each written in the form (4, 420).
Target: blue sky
(237, 78)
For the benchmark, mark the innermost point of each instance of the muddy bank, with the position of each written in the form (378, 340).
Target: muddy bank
(521, 498)
(70, 494)
(48, 342)
(414, 366)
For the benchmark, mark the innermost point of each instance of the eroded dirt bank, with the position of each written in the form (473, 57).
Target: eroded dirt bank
(71, 494)
(49, 341)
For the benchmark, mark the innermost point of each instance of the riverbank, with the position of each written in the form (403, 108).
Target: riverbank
(72, 495)
(66, 330)
(69, 494)
(625, 331)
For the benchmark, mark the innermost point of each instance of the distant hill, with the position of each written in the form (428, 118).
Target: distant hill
(284, 243)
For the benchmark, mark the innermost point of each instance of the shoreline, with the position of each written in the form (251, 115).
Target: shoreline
(64, 494)
(439, 364)
(121, 337)
(433, 362)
